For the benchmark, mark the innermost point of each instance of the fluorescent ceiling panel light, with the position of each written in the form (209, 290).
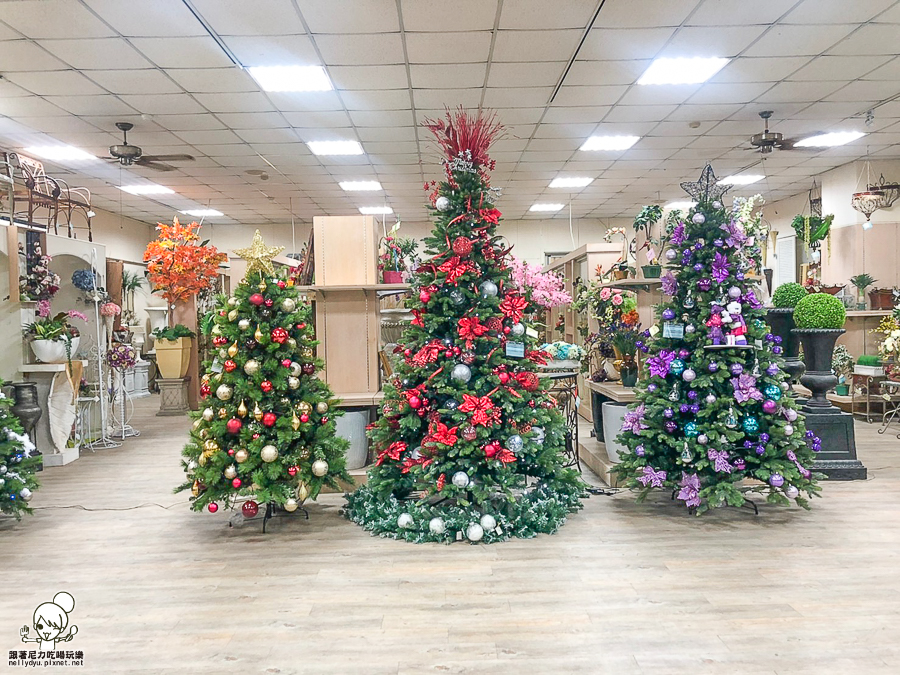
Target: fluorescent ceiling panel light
(746, 179)
(547, 207)
(682, 70)
(335, 147)
(829, 140)
(149, 189)
(360, 185)
(609, 142)
(376, 210)
(681, 206)
(291, 78)
(60, 153)
(575, 182)
(203, 213)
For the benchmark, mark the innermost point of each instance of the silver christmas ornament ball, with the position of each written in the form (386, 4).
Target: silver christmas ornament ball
(293, 382)
(698, 219)
(296, 369)
(460, 479)
(321, 407)
(461, 373)
(474, 532)
(703, 439)
(457, 297)
(442, 203)
(230, 472)
(25, 494)
(488, 289)
(288, 305)
(518, 329)
(515, 443)
(319, 467)
(223, 392)
(269, 453)
(251, 367)
(717, 205)
(488, 522)
(208, 414)
(290, 505)
(788, 429)
(791, 491)
(436, 525)
(404, 521)
(671, 254)
(710, 399)
(244, 324)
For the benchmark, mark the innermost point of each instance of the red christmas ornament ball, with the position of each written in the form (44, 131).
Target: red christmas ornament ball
(257, 299)
(506, 330)
(229, 365)
(280, 284)
(490, 450)
(504, 377)
(212, 507)
(304, 418)
(222, 312)
(286, 363)
(529, 381)
(448, 353)
(292, 471)
(494, 324)
(325, 420)
(424, 296)
(269, 419)
(234, 425)
(309, 368)
(266, 386)
(204, 390)
(250, 509)
(255, 436)
(220, 341)
(269, 302)
(301, 326)
(236, 483)
(415, 402)
(279, 335)
(407, 352)
(462, 246)
(231, 452)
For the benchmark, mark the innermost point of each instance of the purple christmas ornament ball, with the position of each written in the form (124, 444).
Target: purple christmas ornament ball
(764, 437)
(685, 408)
(683, 353)
(790, 414)
(698, 246)
(689, 375)
(668, 412)
(639, 451)
(671, 426)
(668, 314)
(692, 395)
(769, 406)
(739, 464)
(695, 408)
(734, 292)
(736, 369)
(698, 219)
(704, 285)
(739, 276)
(777, 350)
(718, 243)
(776, 480)
(712, 367)
(772, 370)
(651, 387)
(760, 450)
(698, 267)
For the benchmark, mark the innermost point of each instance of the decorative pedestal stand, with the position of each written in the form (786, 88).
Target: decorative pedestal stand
(57, 401)
(781, 321)
(122, 409)
(173, 396)
(837, 460)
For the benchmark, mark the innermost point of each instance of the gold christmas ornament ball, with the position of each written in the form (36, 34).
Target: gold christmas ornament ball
(288, 305)
(244, 324)
(223, 392)
(251, 367)
(197, 423)
(296, 369)
(304, 407)
(302, 492)
(293, 382)
(290, 505)
(262, 286)
(241, 456)
(223, 413)
(233, 301)
(207, 415)
(210, 446)
(257, 412)
(292, 343)
(195, 488)
(230, 472)
(232, 315)
(216, 330)
(203, 459)
(233, 349)
(321, 407)
(218, 377)
(295, 422)
(319, 467)
(269, 453)
(307, 353)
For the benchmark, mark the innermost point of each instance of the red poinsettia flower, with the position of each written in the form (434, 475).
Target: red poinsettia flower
(505, 456)
(489, 216)
(455, 268)
(393, 451)
(441, 434)
(428, 353)
(417, 321)
(513, 306)
(470, 327)
(482, 408)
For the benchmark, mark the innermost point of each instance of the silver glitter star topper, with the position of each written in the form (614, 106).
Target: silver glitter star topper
(707, 188)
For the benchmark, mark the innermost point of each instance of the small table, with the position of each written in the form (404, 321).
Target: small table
(891, 396)
(565, 391)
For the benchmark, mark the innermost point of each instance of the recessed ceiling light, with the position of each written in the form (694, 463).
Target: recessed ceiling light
(609, 142)
(360, 185)
(575, 182)
(60, 153)
(149, 189)
(829, 140)
(746, 179)
(681, 206)
(682, 70)
(376, 210)
(547, 207)
(335, 147)
(203, 213)
(291, 78)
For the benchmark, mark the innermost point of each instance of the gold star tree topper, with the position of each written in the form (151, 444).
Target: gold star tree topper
(259, 256)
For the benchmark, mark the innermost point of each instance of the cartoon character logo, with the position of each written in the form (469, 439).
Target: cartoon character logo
(50, 621)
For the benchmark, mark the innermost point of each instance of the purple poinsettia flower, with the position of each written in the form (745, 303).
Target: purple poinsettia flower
(678, 235)
(690, 489)
(745, 388)
(659, 364)
(719, 458)
(634, 420)
(736, 237)
(669, 285)
(652, 477)
(720, 267)
(751, 299)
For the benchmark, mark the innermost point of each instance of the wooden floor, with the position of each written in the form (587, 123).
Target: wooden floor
(622, 588)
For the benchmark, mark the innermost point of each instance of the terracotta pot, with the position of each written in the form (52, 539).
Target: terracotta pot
(173, 358)
(881, 298)
(832, 290)
(393, 277)
(618, 275)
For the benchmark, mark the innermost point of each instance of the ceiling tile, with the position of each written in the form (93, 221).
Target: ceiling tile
(657, 95)
(22, 55)
(738, 12)
(331, 119)
(588, 96)
(606, 72)
(58, 82)
(381, 118)
(818, 12)
(188, 122)
(871, 90)
(639, 113)
(644, 13)
(182, 52)
(869, 39)
(260, 17)
(728, 93)
(797, 40)
(719, 41)
(98, 54)
(234, 103)
(438, 98)
(759, 69)
(91, 105)
(173, 104)
(528, 74)
(274, 50)
(301, 101)
(528, 45)
(376, 100)
(349, 16)
(460, 15)
(371, 49)
(795, 92)
(369, 77)
(566, 115)
(145, 82)
(517, 97)
(213, 80)
(148, 18)
(448, 48)
(838, 67)
(451, 76)
(53, 19)
(624, 44)
(525, 14)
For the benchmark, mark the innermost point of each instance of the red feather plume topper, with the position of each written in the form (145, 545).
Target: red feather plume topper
(460, 132)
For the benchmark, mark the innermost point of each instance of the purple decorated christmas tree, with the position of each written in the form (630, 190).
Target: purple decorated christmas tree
(712, 421)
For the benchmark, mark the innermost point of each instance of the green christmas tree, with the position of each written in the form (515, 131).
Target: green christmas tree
(469, 444)
(267, 431)
(17, 465)
(712, 421)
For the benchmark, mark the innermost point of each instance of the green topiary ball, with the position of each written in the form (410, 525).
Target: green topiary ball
(819, 310)
(788, 295)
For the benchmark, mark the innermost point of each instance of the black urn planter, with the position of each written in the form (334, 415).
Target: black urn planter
(28, 410)
(781, 321)
(818, 347)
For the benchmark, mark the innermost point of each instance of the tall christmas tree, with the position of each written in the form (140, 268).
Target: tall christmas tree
(267, 431)
(712, 421)
(17, 466)
(468, 444)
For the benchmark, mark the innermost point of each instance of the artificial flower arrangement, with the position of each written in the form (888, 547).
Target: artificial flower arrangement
(39, 282)
(56, 328)
(621, 269)
(121, 356)
(563, 351)
(179, 265)
(84, 280)
(395, 256)
(615, 311)
(889, 347)
(645, 221)
(110, 309)
(545, 289)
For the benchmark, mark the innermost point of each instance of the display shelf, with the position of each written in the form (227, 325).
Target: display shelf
(613, 390)
(633, 284)
(856, 313)
(360, 399)
(391, 288)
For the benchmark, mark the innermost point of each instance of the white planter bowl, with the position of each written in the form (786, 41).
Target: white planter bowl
(53, 351)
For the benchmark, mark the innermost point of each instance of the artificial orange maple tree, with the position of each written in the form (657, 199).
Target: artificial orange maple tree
(179, 265)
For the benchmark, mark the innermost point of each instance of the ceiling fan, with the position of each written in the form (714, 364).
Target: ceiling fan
(767, 141)
(133, 155)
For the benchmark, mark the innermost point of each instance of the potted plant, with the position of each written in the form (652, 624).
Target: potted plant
(868, 365)
(624, 343)
(861, 282)
(888, 348)
(394, 255)
(173, 350)
(842, 365)
(883, 298)
(781, 321)
(563, 356)
(644, 222)
(819, 318)
(54, 340)
(39, 282)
